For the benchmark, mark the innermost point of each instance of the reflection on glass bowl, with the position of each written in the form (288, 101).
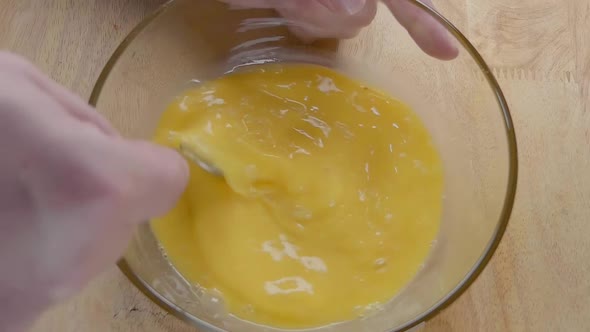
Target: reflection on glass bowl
(460, 102)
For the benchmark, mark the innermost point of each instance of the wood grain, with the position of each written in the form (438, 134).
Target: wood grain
(539, 50)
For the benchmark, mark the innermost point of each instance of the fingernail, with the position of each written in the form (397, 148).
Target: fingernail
(449, 48)
(350, 7)
(436, 41)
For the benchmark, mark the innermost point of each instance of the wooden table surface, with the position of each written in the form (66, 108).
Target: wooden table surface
(539, 279)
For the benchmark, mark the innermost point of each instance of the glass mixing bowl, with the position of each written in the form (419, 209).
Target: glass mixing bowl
(187, 41)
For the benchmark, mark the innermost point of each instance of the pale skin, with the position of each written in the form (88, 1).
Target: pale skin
(72, 190)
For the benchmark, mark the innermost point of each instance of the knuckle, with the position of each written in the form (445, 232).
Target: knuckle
(365, 16)
(105, 189)
(114, 194)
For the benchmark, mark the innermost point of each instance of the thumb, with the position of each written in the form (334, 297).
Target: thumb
(148, 180)
(428, 33)
(156, 178)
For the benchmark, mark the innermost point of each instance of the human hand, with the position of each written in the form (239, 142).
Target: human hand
(71, 191)
(345, 18)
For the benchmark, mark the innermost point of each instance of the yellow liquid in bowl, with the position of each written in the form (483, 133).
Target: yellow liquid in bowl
(329, 205)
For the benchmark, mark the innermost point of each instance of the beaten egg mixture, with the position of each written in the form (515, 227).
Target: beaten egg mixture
(329, 203)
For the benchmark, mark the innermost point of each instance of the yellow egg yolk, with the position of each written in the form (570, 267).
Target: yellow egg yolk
(329, 203)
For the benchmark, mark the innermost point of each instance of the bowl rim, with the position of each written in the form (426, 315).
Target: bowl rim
(471, 275)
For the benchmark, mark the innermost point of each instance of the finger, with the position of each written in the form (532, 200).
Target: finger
(150, 179)
(72, 103)
(117, 184)
(154, 177)
(430, 35)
